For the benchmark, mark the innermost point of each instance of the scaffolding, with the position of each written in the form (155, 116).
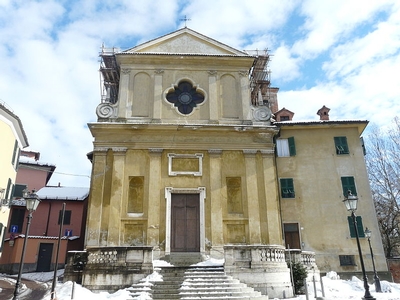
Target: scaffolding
(109, 75)
(259, 76)
(260, 80)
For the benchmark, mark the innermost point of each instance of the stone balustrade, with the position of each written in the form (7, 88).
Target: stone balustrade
(307, 258)
(111, 268)
(263, 267)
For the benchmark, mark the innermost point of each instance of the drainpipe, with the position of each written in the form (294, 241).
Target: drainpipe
(48, 220)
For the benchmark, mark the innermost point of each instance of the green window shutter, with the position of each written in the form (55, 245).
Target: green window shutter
(360, 227)
(341, 145)
(18, 190)
(17, 162)
(287, 188)
(67, 217)
(15, 152)
(1, 235)
(8, 190)
(292, 146)
(348, 185)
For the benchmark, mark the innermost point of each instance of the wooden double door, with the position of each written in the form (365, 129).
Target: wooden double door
(185, 223)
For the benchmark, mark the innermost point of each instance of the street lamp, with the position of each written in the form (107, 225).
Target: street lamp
(351, 204)
(32, 201)
(368, 234)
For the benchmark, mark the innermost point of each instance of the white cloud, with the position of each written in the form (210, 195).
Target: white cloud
(330, 21)
(284, 67)
(383, 42)
(239, 23)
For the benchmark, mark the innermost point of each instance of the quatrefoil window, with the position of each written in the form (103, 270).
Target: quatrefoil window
(185, 97)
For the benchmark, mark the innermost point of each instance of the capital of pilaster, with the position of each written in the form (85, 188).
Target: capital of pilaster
(250, 152)
(156, 151)
(215, 152)
(244, 73)
(212, 72)
(114, 149)
(125, 71)
(267, 152)
(158, 71)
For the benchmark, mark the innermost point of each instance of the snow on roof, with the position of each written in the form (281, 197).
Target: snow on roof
(63, 193)
(31, 160)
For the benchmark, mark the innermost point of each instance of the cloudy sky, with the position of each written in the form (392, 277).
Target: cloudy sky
(344, 54)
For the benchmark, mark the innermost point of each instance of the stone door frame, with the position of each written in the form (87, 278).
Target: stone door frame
(168, 195)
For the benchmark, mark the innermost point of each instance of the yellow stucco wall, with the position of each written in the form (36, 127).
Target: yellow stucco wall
(8, 170)
(316, 170)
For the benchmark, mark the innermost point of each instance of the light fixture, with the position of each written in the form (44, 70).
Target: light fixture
(350, 201)
(32, 201)
(351, 204)
(368, 234)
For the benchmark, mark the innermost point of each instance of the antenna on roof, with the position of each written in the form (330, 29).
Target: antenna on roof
(185, 19)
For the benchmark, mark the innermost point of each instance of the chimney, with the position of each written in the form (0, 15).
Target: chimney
(323, 113)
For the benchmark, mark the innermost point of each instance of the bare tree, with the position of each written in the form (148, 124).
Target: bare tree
(383, 164)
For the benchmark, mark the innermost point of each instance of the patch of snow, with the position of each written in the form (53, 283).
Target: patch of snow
(332, 275)
(161, 263)
(211, 262)
(155, 276)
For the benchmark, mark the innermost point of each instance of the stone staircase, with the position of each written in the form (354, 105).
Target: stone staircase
(208, 282)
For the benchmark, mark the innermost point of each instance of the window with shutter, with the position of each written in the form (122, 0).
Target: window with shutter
(67, 217)
(360, 227)
(348, 185)
(341, 145)
(285, 147)
(287, 188)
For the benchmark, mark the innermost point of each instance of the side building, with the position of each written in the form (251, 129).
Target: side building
(318, 162)
(42, 242)
(13, 139)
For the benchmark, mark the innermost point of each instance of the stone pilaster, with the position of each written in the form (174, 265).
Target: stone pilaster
(95, 199)
(217, 228)
(158, 94)
(154, 185)
(213, 96)
(253, 206)
(245, 95)
(117, 187)
(125, 104)
(271, 198)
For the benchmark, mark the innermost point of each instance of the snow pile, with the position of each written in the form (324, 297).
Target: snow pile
(332, 275)
(334, 287)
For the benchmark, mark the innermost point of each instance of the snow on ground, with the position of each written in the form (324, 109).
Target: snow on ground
(334, 287)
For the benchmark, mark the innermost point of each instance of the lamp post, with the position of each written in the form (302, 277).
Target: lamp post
(368, 234)
(351, 204)
(32, 202)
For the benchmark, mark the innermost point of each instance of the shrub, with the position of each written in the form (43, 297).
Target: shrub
(299, 274)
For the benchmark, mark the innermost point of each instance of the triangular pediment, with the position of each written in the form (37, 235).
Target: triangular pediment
(186, 41)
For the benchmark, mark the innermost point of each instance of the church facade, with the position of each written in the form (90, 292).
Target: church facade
(185, 165)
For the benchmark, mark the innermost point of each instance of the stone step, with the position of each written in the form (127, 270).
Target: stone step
(217, 290)
(196, 283)
(213, 285)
